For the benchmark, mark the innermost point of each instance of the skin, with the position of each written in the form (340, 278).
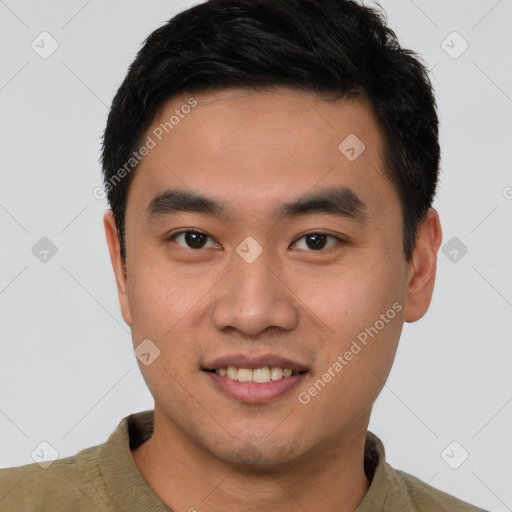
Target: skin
(253, 151)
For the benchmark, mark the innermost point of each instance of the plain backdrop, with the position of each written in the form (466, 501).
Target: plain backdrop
(67, 370)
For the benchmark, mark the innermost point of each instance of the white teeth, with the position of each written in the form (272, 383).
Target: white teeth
(232, 373)
(244, 375)
(259, 375)
(276, 373)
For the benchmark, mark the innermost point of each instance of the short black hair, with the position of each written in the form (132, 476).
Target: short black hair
(322, 46)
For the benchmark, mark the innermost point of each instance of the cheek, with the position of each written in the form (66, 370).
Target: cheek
(169, 306)
(162, 308)
(352, 297)
(353, 372)
(158, 301)
(362, 304)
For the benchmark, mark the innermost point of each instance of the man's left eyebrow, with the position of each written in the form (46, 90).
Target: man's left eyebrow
(342, 202)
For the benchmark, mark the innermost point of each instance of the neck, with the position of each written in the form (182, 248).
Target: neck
(186, 477)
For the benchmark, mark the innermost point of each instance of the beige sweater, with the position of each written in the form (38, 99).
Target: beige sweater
(105, 478)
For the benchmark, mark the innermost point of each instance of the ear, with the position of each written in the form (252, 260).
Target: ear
(422, 267)
(119, 266)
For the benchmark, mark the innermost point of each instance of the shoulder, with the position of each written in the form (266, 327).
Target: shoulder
(67, 484)
(426, 498)
(103, 477)
(391, 489)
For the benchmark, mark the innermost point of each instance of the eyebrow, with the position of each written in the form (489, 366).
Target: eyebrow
(174, 200)
(341, 201)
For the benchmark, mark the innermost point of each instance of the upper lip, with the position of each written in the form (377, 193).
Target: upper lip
(253, 362)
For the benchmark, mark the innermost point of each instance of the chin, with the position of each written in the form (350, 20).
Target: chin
(257, 456)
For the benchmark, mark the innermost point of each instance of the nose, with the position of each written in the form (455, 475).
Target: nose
(253, 297)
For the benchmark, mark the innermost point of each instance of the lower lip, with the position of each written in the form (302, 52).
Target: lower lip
(252, 392)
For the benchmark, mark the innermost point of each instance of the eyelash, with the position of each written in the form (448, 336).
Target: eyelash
(339, 241)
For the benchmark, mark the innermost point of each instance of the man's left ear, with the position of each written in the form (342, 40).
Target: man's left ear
(422, 267)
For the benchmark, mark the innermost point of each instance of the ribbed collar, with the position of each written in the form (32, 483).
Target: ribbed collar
(125, 485)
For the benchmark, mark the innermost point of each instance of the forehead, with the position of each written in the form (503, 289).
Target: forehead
(238, 145)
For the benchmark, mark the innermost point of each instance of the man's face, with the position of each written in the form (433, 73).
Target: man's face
(299, 261)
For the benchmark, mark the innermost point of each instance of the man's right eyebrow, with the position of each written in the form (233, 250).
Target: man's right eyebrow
(174, 200)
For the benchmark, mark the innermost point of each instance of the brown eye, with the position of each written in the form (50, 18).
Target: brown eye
(193, 240)
(316, 241)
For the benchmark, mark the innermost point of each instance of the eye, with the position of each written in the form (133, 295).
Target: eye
(193, 240)
(316, 241)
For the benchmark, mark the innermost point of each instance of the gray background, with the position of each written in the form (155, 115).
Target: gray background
(67, 370)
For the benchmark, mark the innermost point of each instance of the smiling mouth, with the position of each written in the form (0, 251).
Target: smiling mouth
(258, 375)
